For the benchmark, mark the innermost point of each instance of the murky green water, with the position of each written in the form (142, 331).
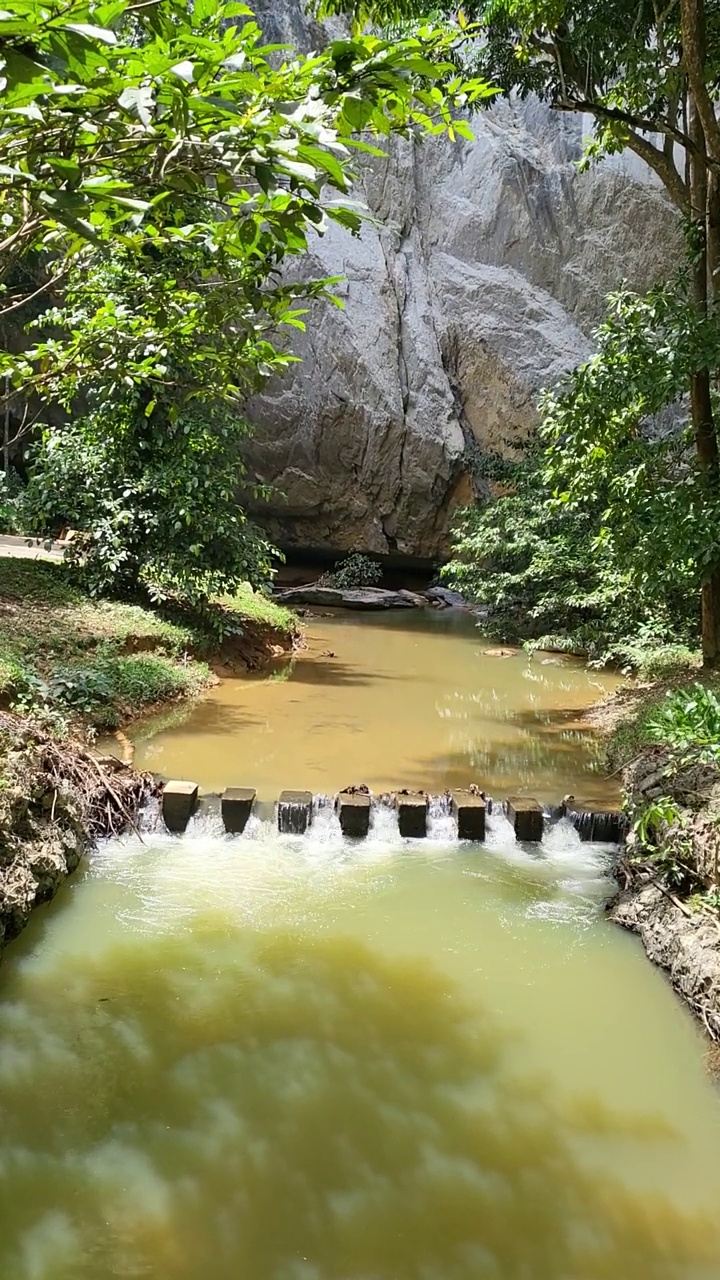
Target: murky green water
(299, 1059)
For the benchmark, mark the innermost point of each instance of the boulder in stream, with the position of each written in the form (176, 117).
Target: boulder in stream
(358, 598)
(446, 598)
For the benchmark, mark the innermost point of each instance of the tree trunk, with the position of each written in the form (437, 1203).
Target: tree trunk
(711, 621)
(703, 214)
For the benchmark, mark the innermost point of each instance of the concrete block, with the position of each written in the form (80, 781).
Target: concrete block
(294, 812)
(469, 809)
(179, 802)
(236, 806)
(526, 816)
(354, 813)
(412, 809)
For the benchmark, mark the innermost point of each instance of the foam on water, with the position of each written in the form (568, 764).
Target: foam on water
(261, 874)
(238, 1055)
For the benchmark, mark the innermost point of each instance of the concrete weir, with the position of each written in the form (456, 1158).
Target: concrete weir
(294, 812)
(469, 811)
(412, 811)
(527, 818)
(353, 809)
(236, 806)
(179, 802)
(355, 805)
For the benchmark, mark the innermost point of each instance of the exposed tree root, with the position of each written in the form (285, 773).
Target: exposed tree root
(56, 798)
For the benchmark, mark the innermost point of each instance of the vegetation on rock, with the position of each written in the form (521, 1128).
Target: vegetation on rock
(355, 571)
(647, 76)
(164, 163)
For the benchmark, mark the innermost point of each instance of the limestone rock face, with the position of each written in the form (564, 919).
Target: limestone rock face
(476, 285)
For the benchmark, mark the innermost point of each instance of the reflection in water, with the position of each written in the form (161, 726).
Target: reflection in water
(282, 1060)
(406, 699)
(313, 1109)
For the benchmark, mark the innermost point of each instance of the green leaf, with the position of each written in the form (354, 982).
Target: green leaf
(92, 33)
(25, 78)
(327, 161)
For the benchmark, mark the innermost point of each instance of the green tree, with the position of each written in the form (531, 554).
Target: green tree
(647, 73)
(165, 163)
(608, 528)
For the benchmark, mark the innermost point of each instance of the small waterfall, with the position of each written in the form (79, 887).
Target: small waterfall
(440, 806)
(441, 823)
(297, 813)
(294, 813)
(601, 827)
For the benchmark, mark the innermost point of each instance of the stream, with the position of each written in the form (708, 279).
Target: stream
(304, 1058)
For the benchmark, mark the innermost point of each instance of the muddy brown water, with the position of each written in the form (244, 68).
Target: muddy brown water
(408, 699)
(284, 1058)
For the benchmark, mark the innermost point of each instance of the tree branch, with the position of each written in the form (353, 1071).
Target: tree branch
(21, 302)
(661, 162)
(649, 124)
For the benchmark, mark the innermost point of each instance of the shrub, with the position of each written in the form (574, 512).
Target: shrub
(157, 502)
(658, 662)
(543, 570)
(355, 571)
(11, 503)
(688, 721)
(106, 689)
(16, 680)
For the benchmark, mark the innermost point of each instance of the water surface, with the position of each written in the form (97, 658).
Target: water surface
(297, 1059)
(283, 1058)
(408, 699)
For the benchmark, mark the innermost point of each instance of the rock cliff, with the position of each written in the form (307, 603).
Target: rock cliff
(476, 285)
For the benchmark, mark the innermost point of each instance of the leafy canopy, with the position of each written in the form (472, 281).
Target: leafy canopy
(109, 110)
(627, 64)
(617, 427)
(166, 162)
(610, 524)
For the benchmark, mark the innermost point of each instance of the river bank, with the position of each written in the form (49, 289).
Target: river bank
(70, 668)
(669, 882)
(98, 663)
(56, 798)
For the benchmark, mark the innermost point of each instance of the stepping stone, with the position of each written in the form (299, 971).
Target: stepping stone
(236, 806)
(470, 810)
(179, 802)
(354, 813)
(412, 810)
(526, 816)
(294, 813)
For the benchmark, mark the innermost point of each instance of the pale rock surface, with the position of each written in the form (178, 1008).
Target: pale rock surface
(477, 285)
(360, 598)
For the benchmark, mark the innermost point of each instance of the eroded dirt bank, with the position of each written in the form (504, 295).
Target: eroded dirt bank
(56, 799)
(669, 873)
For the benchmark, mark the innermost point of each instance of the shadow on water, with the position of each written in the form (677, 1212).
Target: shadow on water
(456, 622)
(547, 766)
(307, 1110)
(318, 670)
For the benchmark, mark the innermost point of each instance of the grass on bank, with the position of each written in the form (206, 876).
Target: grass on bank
(252, 606)
(103, 660)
